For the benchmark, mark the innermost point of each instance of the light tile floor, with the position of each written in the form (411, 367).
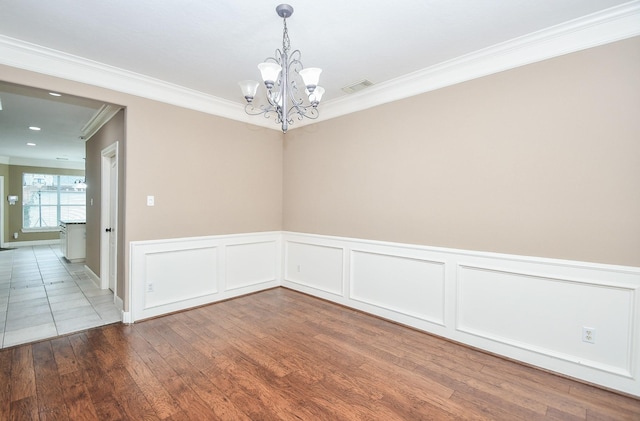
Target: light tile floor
(42, 296)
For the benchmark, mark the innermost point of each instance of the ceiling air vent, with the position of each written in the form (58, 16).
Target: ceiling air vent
(358, 86)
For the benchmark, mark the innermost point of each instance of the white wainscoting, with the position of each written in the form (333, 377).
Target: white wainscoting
(530, 309)
(176, 274)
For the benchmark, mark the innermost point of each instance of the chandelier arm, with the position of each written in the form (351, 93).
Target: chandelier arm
(293, 67)
(262, 109)
(296, 102)
(304, 111)
(300, 99)
(276, 58)
(295, 57)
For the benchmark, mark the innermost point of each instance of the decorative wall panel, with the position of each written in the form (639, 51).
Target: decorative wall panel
(251, 264)
(410, 286)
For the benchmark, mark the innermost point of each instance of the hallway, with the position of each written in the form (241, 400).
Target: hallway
(42, 296)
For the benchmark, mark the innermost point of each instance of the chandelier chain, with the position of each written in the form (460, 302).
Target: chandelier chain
(286, 44)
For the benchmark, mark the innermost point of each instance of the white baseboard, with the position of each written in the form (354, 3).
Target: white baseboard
(126, 315)
(119, 303)
(95, 278)
(16, 244)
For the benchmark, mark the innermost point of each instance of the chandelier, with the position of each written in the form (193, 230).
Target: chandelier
(281, 75)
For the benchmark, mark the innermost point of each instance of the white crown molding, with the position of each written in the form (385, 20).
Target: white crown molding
(600, 28)
(33, 57)
(100, 118)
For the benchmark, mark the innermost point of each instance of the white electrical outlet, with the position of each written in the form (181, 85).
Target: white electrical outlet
(299, 268)
(150, 287)
(589, 335)
(151, 201)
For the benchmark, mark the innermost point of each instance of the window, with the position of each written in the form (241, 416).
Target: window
(48, 199)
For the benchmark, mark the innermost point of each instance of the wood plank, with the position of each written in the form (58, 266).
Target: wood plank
(63, 354)
(554, 414)
(491, 406)
(51, 404)
(5, 383)
(24, 409)
(23, 379)
(601, 404)
(76, 396)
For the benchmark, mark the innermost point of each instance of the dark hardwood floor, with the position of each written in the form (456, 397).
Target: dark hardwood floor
(281, 355)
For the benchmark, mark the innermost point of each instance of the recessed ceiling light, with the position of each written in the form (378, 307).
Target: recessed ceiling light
(31, 144)
(54, 94)
(34, 128)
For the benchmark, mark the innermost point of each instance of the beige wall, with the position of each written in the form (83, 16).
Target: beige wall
(4, 171)
(14, 214)
(542, 160)
(209, 175)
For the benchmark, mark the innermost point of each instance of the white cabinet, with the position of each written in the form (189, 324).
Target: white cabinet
(73, 240)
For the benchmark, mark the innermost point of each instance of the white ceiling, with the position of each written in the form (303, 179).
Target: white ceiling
(61, 120)
(206, 46)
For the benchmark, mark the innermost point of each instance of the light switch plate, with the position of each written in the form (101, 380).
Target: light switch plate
(151, 201)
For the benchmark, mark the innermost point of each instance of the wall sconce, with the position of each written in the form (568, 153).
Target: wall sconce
(12, 199)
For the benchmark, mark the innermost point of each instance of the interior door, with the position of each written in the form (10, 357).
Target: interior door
(113, 212)
(109, 218)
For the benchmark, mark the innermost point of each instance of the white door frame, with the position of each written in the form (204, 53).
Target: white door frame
(2, 211)
(108, 153)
